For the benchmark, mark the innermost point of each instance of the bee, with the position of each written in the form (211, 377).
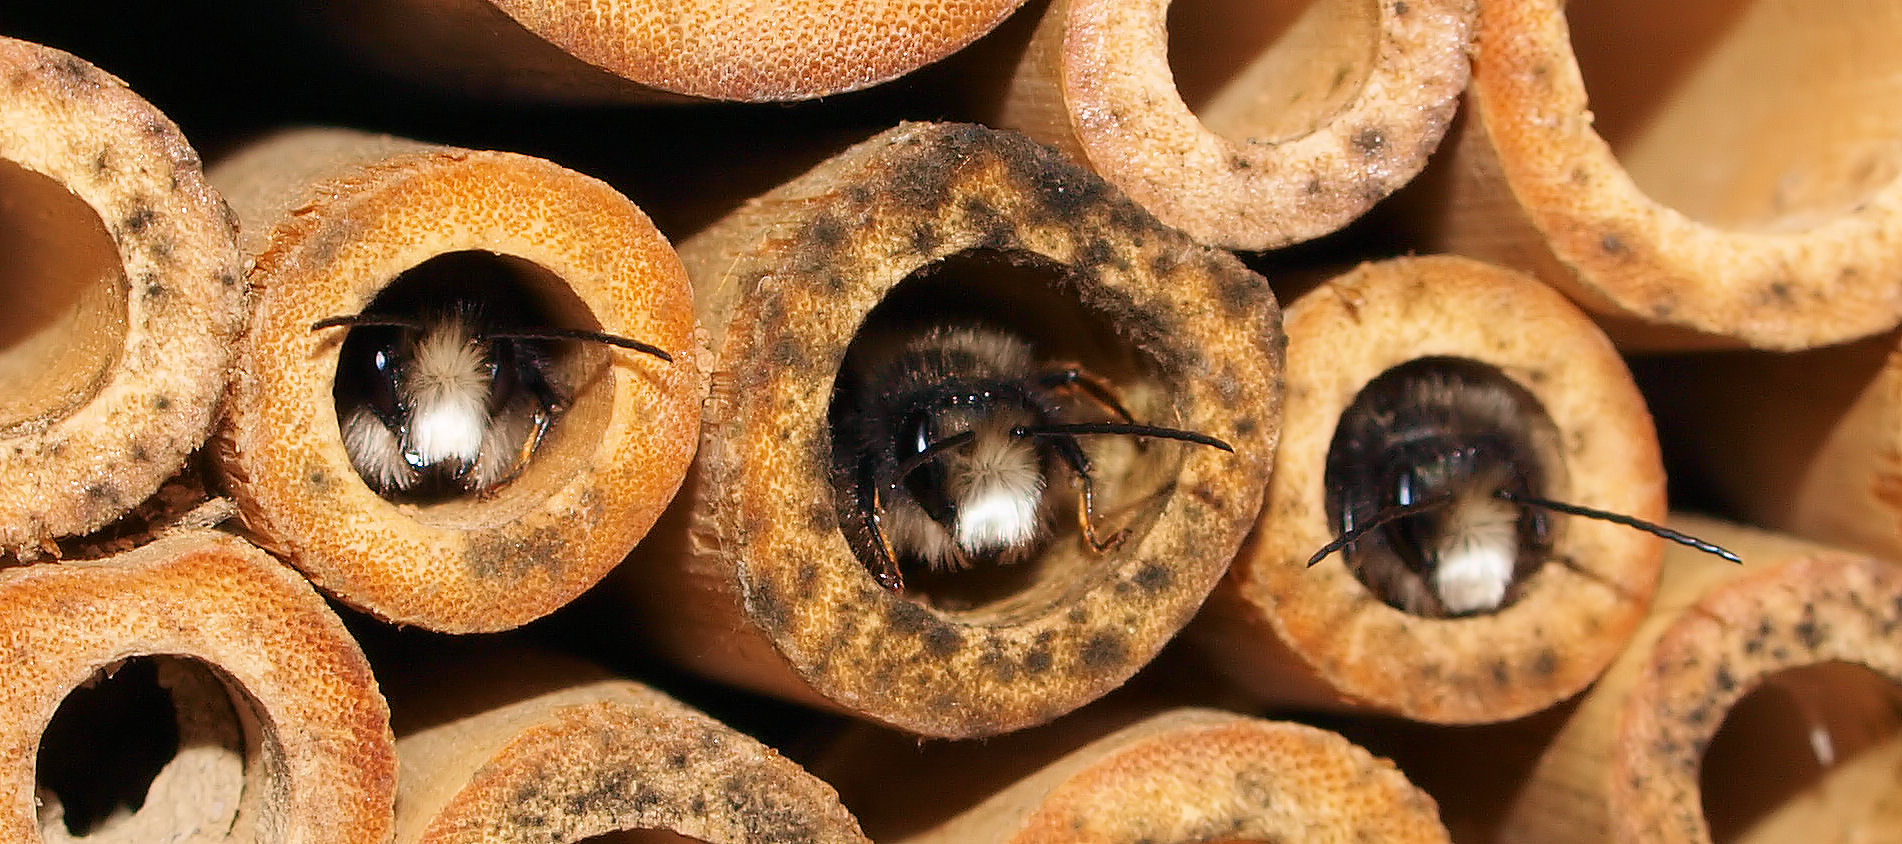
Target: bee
(950, 436)
(1436, 486)
(457, 399)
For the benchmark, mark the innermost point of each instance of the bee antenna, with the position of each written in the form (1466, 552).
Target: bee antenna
(365, 321)
(1158, 432)
(1619, 518)
(930, 453)
(586, 336)
(1380, 520)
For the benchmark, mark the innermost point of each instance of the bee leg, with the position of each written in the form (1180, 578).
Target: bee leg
(885, 568)
(1072, 454)
(1096, 389)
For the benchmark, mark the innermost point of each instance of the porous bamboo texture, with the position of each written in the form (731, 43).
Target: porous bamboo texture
(122, 298)
(1182, 776)
(1320, 636)
(282, 735)
(1731, 177)
(1303, 115)
(332, 219)
(753, 580)
(634, 50)
(1626, 767)
(515, 746)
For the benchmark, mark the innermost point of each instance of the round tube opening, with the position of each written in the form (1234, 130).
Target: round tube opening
(1265, 73)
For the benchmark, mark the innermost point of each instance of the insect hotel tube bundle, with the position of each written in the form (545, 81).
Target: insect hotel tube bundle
(1743, 683)
(1403, 381)
(121, 272)
(764, 575)
(514, 744)
(277, 731)
(1177, 776)
(470, 382)
(1329, 106)
(1726, 177)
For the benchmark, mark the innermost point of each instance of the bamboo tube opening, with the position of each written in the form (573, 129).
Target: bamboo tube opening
(1752, 115)
(1256, 72)
(146, 746)
(1360, 469)
(65, 320)
(532, 297)
(1801, 728)
(1030, 297)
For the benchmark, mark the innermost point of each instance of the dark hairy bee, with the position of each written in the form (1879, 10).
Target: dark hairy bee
(1438, 490)
(458, 398)
(950, 437)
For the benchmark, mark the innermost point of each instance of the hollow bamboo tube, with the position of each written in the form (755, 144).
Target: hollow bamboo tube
(334, 218)
(1181, 775)
(515, 746)
(120, 267)
(1626, 766)
(1731, 178)
(302, 750)
(1319, 636)
(1336, 105)
(658, 49)
(754, 582)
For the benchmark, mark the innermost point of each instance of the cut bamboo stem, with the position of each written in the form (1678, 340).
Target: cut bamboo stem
(1323, 636)
(512, 746)
(282, 735)
(659, 49)
(754, 582)
(1813, 627)
(1732, 177)
(1336, 103)
(121, 274)
(1183, 776)
(334, 219)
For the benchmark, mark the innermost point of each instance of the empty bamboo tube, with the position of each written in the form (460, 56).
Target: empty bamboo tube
(1731, 177)
(1758, 676)
(1335, 635)
(647, 49)
(1182, 776)
(120, 267)
(339, 222)
(512, 746)
(1336, 103)
(279, 731)
(754, 581)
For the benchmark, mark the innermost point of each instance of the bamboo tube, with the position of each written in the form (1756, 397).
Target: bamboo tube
(1323, 636)
(1732, 177)
(754, 582)
(1265, 125)
(120, 268)
(657, 49)
(333, 220)
(1813, 626)
(512, 745)
(281, 734)
(1181, 775)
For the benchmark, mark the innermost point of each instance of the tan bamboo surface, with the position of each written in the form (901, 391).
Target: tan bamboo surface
(282, 733)
(331, 218)
(752, 580)
(120, 267)
(1716, 172)
(510, 744)
(634, 50)
(1626, 767)
(1320, 637)
(1179, 776)
(1247, 125)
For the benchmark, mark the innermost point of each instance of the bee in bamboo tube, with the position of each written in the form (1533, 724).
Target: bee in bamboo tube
(1436, 480)
(953, 434)
(457, 398)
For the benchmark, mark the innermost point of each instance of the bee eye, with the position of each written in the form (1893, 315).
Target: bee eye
(920, 427)
(1403, 491)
